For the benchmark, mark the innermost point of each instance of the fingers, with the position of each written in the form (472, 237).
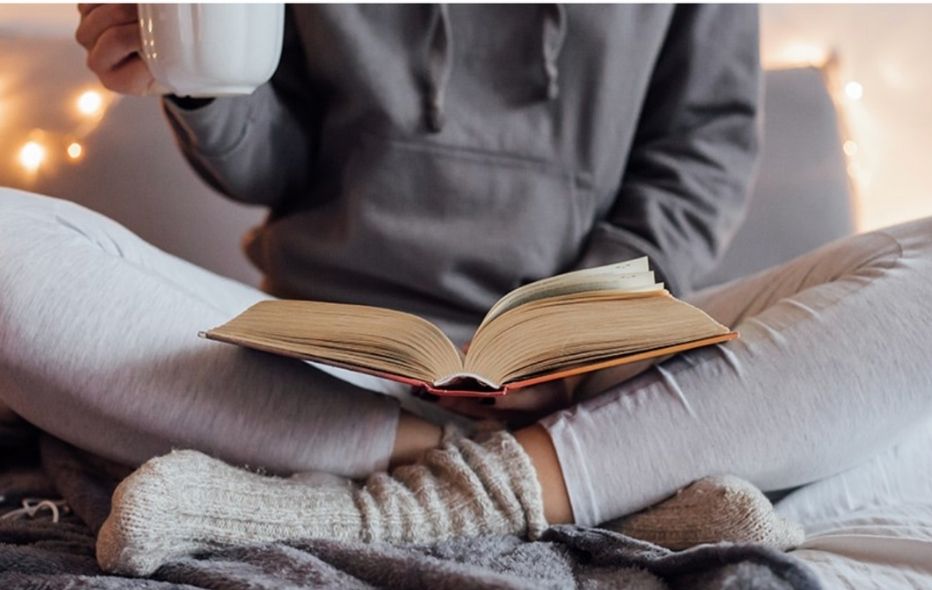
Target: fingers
(131, 77)
(85, 8)
(117, 47)
(99, 18)
(110, 34)
(113, 46)
(517, 409)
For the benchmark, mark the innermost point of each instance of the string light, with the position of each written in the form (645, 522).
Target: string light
(854, 90)
(90, 103)
(31, 155)
(75, 151)
(850, 147)
(798, 53)
(41, 147)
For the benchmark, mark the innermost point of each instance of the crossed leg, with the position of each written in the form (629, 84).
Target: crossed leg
(99, 347)
(831, 367)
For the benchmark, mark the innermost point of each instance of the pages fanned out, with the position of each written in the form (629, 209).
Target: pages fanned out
(568, 324)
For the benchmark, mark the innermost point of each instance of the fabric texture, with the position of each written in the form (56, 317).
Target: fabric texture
(186, 502)
(568, 136)
(871, 526)
(712, 510)
(39, 554)
(133, 394)
(138, 393)
(829, 371)
(99, 346)
(865, 266)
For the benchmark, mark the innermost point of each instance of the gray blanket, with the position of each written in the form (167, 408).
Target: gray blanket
(37, 553)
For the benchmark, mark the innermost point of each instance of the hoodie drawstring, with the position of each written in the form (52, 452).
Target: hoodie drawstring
(440, 65)
(440, 54)
(554, 32)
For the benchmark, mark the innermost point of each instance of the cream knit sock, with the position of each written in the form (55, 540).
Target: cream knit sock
(714, 509)
(186, 502)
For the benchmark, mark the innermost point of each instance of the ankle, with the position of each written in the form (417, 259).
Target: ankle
(414, 437)
(537, 444)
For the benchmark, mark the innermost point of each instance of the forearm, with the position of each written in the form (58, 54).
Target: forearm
(251, 148)
(685, 184)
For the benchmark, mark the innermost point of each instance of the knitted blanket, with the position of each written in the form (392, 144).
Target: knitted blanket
(38, 553)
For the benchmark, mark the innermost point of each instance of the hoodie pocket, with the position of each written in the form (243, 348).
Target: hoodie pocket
(468, 225)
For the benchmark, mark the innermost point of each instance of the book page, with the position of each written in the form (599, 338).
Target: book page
(552, 334)
(373, 338)
(632, 275)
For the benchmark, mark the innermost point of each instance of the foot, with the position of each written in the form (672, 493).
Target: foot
(186, 502)
(712, 510)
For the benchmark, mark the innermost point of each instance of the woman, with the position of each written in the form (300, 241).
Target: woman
(389, 140)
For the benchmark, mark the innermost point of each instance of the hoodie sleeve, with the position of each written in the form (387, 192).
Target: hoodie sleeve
(255, 149)
(685, 186)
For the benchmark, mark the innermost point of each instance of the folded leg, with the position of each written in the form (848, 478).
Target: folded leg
(832, 367)
(99, 347)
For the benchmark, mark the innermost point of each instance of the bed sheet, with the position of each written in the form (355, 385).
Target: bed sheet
(871, 526)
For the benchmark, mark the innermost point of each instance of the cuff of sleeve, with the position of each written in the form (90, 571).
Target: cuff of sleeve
(215, 129)
(609, 244)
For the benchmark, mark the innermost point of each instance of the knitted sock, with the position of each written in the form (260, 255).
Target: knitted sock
(711, 510)
(186, 502)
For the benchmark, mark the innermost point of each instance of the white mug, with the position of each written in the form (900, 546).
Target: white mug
(207, 50)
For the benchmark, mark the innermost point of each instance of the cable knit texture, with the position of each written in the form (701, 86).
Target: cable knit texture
(712, 510)
(186, 502)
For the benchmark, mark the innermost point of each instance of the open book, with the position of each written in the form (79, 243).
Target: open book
(565, 325)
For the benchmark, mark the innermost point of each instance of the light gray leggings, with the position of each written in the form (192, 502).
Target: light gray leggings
(98, 346)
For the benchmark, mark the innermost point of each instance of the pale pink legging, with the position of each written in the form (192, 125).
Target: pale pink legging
(98, 346)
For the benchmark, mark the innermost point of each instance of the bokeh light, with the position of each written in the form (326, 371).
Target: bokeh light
(90, 103)
(31, 155)
(854, 90)
(882, 84)
(75, 150)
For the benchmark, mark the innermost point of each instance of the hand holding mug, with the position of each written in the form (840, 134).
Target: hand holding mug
(198, 50)
(110, 34)
(208, 50)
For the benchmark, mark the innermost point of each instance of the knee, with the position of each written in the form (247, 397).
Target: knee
(913, 237)
(29, 221)
(20, 210)
(33, 228)
(11, 198)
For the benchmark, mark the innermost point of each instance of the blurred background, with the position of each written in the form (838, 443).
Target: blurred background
(883, 90)
(61, 134)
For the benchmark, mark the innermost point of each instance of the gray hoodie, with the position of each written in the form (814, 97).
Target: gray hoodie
(431, 158)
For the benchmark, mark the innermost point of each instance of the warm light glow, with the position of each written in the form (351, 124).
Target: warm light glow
(854, 90)
(31, 155)
(90, 103)
(886, 112)
(796, 54)
(75, 150)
